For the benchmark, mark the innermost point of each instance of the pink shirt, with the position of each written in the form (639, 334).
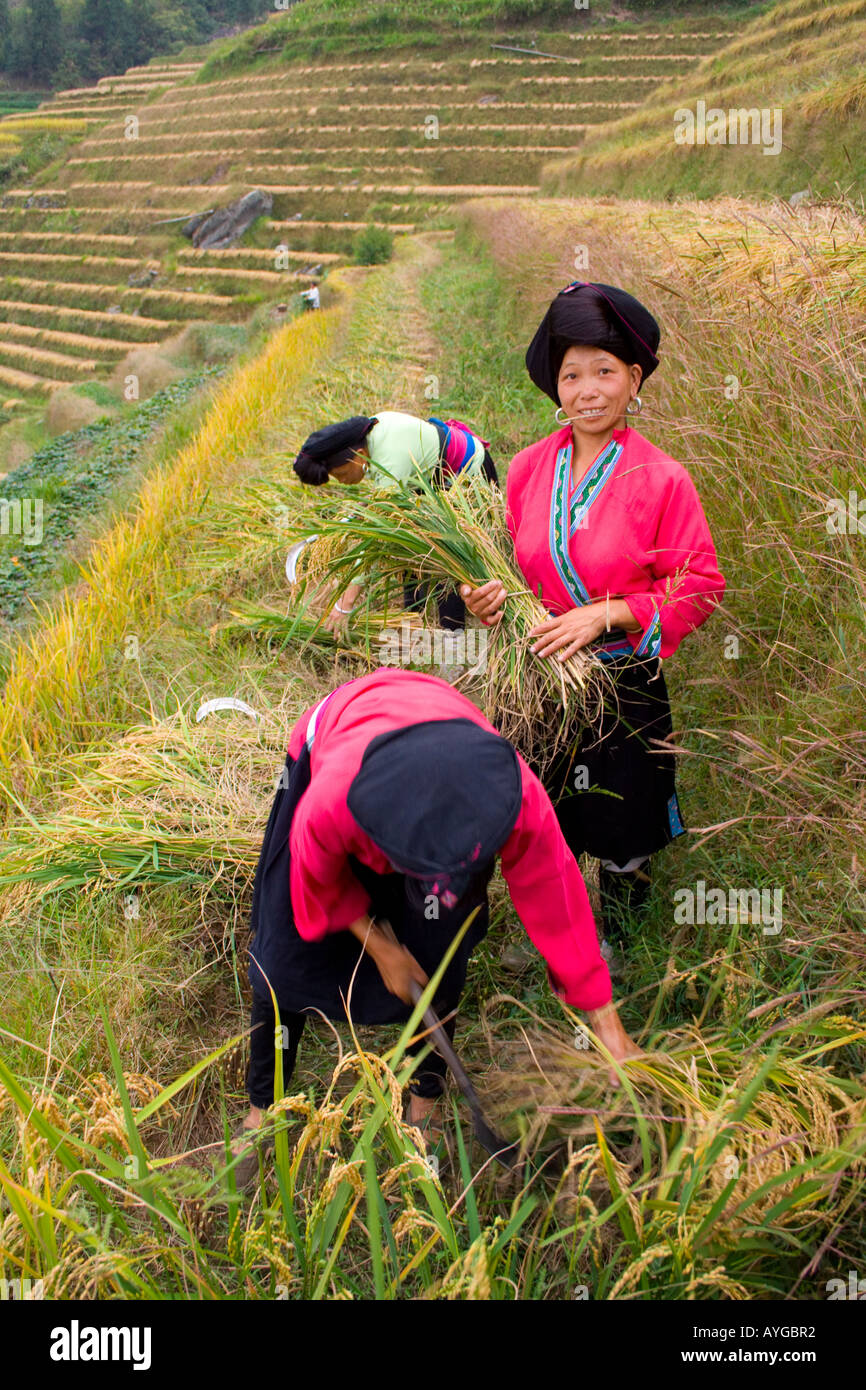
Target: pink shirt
(644, 537)
(542, 875)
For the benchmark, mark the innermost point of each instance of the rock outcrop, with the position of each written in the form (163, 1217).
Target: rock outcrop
(212, 231)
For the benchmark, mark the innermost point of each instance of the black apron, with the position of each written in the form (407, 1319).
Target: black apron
(614, 790)
(312, 974)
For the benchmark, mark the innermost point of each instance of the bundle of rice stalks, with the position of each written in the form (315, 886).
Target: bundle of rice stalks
(171, 803)
(713, 1164)
(305, 632)
(452, 537)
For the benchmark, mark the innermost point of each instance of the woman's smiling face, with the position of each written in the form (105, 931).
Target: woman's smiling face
(594, 388)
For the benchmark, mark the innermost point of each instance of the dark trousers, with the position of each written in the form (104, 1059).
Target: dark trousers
(624, 898)
(428, 1081)
(452, 610)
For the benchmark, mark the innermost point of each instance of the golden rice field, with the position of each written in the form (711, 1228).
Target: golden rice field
(735, 1154)
(803, 57)
(728, 1166)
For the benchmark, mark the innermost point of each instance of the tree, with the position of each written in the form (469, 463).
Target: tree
(144, 35)
(244, 11)
(96, 27)
(5, 30)
(44, 40)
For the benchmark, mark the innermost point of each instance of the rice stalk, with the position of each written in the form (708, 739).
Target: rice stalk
(711, 1166)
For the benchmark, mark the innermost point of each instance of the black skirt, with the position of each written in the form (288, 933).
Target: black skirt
(614, 790)
(314, 974)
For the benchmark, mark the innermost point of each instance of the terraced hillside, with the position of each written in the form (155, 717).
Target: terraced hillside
(91, 259)
(67, 310)
(806, 58)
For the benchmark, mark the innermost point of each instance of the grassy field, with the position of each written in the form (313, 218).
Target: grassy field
(730, 1163)
(732, 1159)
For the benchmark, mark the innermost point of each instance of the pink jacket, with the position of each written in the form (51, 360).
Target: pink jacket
(542, 875)
(643, 537)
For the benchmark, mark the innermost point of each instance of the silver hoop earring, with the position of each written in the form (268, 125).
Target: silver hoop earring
(565, 420)
(637, 406)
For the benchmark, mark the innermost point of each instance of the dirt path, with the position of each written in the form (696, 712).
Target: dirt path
(418, 256)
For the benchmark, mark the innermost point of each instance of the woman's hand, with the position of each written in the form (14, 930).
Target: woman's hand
(567, 634)
(337, 620)
(397, 966)
(606, 1025)
(485, 602)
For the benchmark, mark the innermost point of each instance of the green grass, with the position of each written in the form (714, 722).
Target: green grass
(14, 103)
(323, 28)
(73, 476)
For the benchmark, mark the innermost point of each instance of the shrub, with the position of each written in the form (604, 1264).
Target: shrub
(67, 410)
(373, 246)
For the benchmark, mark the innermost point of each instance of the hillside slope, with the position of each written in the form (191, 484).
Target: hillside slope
(805, 58)
(148, 823)
(91, 257)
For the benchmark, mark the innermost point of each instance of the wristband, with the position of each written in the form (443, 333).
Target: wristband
(345, 611)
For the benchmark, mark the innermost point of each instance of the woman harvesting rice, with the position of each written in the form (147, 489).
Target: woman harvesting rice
(399, 797)
(610, 532)
(390, 447)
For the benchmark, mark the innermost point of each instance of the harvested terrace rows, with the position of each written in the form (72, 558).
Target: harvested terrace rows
(776, 60)
(337, 144)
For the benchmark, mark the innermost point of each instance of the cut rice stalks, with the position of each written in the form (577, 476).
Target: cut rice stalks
(673, 1182)
(174, 802)
(449, 537)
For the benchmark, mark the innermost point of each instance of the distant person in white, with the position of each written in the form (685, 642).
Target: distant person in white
(311, 296)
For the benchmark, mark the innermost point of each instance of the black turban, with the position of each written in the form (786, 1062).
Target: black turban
(596, 316)
(439, 799)
(330, 447)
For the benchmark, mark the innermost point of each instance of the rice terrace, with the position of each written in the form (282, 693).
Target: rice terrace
(535, 708)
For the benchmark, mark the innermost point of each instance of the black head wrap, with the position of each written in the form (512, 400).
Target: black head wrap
(439, 799)
(596, 316)
(330, 447)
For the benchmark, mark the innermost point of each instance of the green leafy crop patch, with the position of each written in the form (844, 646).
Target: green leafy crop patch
(67, 482)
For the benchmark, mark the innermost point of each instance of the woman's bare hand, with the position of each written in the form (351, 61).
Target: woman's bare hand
(606, 1025)
(485, 602)
(336, 622)
(568, 633)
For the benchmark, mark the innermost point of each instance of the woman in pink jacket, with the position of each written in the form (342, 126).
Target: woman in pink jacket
(610, 532)
(397, 799)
